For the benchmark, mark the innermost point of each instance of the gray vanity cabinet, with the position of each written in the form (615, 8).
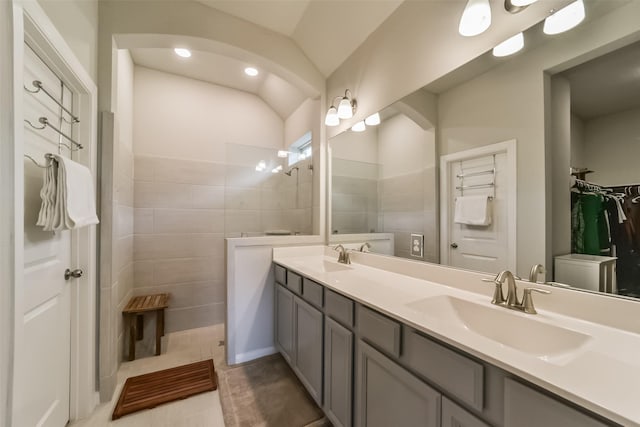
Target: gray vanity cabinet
(308, 334)
(526, 407)
(455, 416)
(338, 373)
(388, 395)
(284, 323)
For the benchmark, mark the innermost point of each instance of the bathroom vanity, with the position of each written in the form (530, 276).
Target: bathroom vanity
(378, 348)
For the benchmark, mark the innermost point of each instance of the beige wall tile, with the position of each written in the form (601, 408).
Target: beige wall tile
(123, 220)
(185, 270)
(188, 221)
(242, 198)
(142, 220)
(242, 221)
(188, 172)
(123, 255)
(162, 195)
(144, 168)
(178, 246)
(207, 197)
(142, 273)
(194, 317)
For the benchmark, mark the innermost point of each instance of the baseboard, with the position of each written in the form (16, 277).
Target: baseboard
(252, 355)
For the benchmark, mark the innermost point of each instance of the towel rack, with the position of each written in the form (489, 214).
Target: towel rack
(39, 87)
(47, 156)
(45, 122)
(462, 175)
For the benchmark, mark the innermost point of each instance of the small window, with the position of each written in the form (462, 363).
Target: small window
(301, 149)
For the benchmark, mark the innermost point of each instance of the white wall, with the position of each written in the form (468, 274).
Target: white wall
(577, 142)
(417, 44)
(612, 148)
(77, 22)
(187, 119)
(356, 146)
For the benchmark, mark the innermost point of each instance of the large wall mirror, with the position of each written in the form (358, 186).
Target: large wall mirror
(508, 133)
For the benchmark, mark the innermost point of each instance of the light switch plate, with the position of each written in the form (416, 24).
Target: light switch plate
(416, 245)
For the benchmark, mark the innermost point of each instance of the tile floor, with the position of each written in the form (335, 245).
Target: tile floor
(182, 347)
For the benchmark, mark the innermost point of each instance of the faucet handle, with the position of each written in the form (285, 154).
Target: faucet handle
(527, 300)
(498, 296)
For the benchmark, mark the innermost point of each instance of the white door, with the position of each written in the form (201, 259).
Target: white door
(481, 248)
(43, 365)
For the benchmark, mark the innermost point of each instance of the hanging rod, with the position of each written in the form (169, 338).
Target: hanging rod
(46, 156)
(467, 187)
(38, 84)
(467, 175)
(45, 123)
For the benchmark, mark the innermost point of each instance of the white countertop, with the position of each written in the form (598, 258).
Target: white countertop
(602, 375)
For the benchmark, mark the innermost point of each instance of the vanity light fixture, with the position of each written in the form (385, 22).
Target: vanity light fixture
(373, 120)
(346, 109)
(509, 46)
(359, 127)
(262, 165)
(283, 154)
(184, 53)
(515, 6)
(250, 71)
(476, 18)
(276, 169)
(565, 18)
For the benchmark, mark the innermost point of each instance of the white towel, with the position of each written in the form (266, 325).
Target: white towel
(68, 198)
(473, 210)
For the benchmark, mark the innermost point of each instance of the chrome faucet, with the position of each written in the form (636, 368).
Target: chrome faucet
(511, 301)
(365, 247)
(535, 270)
(343, 257)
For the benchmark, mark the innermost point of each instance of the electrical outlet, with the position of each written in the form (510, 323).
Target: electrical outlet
(417, 244)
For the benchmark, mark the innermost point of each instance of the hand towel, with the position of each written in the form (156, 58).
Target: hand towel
(68, 198)
(473, 210)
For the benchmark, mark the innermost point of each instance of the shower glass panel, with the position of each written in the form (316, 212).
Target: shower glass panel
(264, 195)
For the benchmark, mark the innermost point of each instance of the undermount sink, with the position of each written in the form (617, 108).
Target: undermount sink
(324, 266)
(518, 331)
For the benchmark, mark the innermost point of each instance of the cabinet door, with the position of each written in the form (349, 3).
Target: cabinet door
(454, 416)
(338, 373)
(526, 407)
(387, 395)
(308, 347)
(284, 323)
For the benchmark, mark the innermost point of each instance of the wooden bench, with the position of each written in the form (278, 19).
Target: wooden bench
(135, 310)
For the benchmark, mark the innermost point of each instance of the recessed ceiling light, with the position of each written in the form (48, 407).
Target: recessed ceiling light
(185, 53)
(250, 71)
(509, 46)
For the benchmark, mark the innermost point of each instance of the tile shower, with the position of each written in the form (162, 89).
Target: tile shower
(183, 210)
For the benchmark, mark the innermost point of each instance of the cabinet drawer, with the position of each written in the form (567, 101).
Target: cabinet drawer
(339, 308)
(281, 274)
(453, 372)
(379, 330)
(294, 282)
(455, 416)
(312, 292)
(526, 407)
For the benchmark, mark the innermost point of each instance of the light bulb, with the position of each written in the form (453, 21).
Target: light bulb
(358, 127)
(345, 110)
(509, 46)
(564, 19)
(332, 118)
(250, 71)
(522, 3)
(184, 53)
(476, 18)
(372, 120)
(283, 153)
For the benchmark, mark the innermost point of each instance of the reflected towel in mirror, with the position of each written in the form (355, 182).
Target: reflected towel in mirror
(473, 210)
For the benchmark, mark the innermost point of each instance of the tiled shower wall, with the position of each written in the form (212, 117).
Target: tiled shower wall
(183, 211)
(354, 197)
(179, 238)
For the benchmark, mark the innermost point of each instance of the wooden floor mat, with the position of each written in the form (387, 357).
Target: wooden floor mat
(150, 390)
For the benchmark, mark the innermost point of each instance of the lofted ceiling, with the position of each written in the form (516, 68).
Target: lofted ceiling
(327, 31)
(280, 95)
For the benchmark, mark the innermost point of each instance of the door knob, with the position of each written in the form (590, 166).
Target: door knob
(68, 274)
(454, 245)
